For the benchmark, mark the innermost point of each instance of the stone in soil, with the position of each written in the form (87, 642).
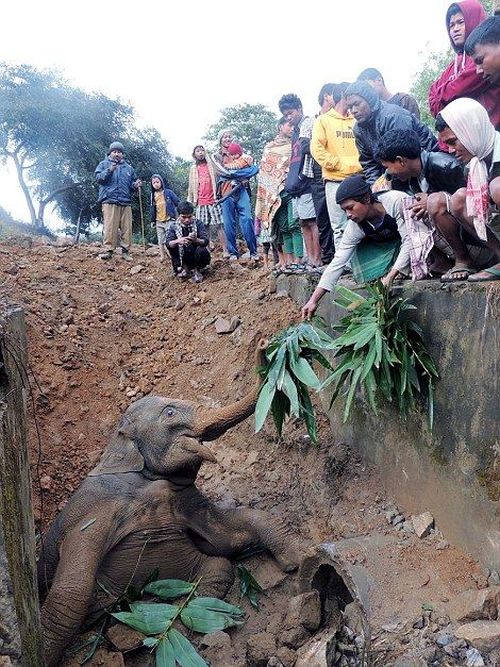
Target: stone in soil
(483, 635)
(422, 524)
(260, 647)
(474, 605)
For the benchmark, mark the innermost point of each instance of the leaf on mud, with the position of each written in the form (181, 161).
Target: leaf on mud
(184, 651)
(210, 614)
(150, 619)
(249, 586)
(168, 589)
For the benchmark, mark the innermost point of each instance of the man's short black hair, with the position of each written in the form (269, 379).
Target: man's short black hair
(487, 32)
(326, 89)
(339, 91)
(185, 208)
(288, 102)
(440, 123)
(370, 74)
(398, 143)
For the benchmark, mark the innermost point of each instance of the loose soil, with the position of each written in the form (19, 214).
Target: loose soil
(103, 334)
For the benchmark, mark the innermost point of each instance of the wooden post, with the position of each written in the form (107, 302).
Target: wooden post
(15, 484)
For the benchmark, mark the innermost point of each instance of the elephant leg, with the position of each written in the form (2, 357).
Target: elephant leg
(217, 576)
(227, 532)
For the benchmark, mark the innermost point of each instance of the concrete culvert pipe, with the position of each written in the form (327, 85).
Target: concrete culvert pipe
(344, 634)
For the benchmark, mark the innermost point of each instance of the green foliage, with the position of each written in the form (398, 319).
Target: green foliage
(381, 350)
(56, 134)
(252, 125)
(199, 614)
(435, 63)
(288, 375)
(249, 586)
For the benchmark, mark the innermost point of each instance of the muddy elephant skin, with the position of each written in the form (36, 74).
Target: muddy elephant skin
(139, 510)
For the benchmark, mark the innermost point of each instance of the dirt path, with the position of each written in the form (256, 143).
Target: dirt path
(103, 334)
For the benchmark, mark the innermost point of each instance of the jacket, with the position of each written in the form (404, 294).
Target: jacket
(460, 78)
(171, 201)
(194, 183)
(441, 172)
(115, 187)
(385, 117)
(333, 146)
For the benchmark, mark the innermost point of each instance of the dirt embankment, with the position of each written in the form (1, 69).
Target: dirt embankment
(102, 334)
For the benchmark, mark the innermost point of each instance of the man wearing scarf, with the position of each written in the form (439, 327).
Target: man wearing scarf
(460, 78)
(464, 126)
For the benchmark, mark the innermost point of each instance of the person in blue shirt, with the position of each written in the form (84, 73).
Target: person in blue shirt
(117, 181)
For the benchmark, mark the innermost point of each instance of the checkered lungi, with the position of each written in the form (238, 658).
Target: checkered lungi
(210, 214)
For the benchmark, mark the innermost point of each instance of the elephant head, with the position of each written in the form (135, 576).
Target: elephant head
(163, 437)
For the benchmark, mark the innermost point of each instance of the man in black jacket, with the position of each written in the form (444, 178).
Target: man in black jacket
(430, 178)
(374, 118)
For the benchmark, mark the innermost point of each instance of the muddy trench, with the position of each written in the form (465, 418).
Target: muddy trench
(101, 336)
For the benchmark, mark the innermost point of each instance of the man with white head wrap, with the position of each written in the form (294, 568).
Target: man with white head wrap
(464, 126)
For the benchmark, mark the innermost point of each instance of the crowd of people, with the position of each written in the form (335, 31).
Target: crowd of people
(364, 186)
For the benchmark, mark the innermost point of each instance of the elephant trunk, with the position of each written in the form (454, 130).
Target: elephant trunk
(211, 424)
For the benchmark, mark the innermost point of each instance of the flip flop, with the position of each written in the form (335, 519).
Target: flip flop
(450, 276)
(493, 273)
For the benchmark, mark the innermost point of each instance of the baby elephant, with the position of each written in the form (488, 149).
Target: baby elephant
(139, 510)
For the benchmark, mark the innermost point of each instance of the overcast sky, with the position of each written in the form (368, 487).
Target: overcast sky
(180, 63)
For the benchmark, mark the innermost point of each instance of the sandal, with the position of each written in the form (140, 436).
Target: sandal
(493, 273)
(454, 275)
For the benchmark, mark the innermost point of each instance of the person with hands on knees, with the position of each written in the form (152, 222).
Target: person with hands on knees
(464, 126)
(429, 180)
(117, 181)
(375, 239)
(187, 240)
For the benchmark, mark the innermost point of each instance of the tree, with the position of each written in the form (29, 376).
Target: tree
(56, 134)
(53, 134)
(252, 125)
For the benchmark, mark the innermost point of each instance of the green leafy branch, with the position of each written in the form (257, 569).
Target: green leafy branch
(155, 620)
(381, 350)
(288, 375)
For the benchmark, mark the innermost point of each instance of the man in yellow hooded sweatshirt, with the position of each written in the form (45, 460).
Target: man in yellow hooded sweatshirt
(334, 148)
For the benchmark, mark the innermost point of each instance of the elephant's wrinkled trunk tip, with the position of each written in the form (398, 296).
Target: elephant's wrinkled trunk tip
(210, 425)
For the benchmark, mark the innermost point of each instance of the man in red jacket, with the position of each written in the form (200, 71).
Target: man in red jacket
(460, 78)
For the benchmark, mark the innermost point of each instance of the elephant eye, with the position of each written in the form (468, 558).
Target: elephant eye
(170, 412)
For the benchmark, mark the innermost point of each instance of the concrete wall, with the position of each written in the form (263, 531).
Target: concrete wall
(455, 471)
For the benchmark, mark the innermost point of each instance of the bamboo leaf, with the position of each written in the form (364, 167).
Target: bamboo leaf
(249, 586)
(150, 619)
(290, 390)
(304, 372)
(184, 651)
(168, 589)
(352, 389)
(210, 615)
(165, 653)
(263, 405)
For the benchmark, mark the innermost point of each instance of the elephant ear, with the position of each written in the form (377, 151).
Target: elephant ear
(121, 455)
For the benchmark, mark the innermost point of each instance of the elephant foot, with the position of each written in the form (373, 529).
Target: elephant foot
(217, 576)
(289, 559)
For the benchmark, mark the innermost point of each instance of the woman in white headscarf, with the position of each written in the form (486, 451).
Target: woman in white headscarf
(464, 126)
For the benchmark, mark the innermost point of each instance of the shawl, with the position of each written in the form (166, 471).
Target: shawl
(470, 122)
(271, 180)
